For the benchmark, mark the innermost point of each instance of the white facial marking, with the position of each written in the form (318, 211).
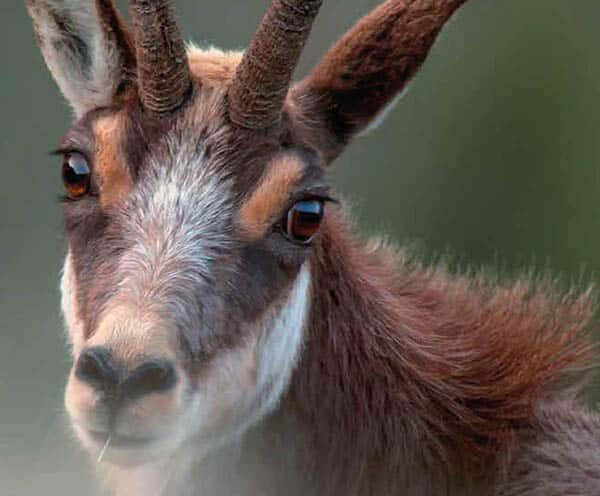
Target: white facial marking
(180, 223)
(242, 387)
(246, 384)
(68, 289)
(282, 341)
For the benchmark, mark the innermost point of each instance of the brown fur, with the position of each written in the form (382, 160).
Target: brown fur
(267, 201)
(404, 359)
(557, 455)
(110, 164)
(213, 67)
(412, 380)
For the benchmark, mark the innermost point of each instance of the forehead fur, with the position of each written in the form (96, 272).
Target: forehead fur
(213, 66)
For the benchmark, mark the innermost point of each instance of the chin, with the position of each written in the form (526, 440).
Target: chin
(126, 450)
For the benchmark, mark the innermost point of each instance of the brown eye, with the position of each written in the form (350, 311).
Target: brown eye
(76, 175)
(303, 220)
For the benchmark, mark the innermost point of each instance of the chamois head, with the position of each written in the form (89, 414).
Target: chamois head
(195, 193)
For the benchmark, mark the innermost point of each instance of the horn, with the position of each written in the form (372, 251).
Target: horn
(164, 79)
(261, 83)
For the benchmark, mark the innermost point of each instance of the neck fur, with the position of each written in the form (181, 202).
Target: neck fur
(409, 379)
(410, 370)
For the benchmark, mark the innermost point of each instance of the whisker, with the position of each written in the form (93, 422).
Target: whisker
(101, 455)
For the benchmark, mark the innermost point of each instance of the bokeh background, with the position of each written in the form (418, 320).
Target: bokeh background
(493, 155)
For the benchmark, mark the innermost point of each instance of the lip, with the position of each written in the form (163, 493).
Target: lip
(119, 440)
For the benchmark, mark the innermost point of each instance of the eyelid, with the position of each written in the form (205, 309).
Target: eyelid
(64, 151)
(318, 194)
(321, 193)
(69, 150)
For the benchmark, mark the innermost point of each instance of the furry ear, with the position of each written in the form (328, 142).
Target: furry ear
(86, 48)
(362, 74)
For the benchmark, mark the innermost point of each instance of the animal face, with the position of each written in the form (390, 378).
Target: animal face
(195, 194)
(186, 286)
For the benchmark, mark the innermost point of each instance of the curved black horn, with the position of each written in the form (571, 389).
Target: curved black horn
(263, 77)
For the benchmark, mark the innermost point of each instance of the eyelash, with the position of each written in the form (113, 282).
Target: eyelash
(67, 150)
(280, 226)
(310, 196)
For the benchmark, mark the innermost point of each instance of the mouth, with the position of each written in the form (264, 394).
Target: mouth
(120, 440)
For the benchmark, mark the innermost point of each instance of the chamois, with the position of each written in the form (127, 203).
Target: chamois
(231, 334)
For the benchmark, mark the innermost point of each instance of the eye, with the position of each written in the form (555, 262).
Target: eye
(76, 175)
(302, 221)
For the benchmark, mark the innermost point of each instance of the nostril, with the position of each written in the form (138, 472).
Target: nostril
(153, 376)
(95, 368)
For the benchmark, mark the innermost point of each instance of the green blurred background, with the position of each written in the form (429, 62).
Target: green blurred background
(493, 155)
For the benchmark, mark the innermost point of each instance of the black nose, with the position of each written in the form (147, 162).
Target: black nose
(152, 376)
(98, 368)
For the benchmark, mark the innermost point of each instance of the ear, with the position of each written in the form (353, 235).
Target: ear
(364, 72)
(86, 48)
